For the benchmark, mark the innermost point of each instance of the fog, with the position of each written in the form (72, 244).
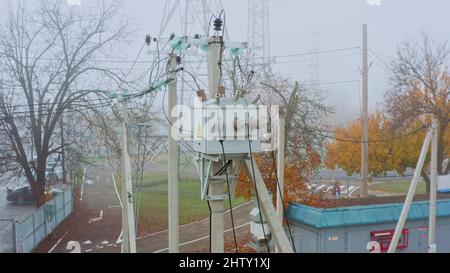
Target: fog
(337, 24)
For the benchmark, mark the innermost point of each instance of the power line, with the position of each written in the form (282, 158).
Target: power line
(328, 72)
(274, 56)
(383, 66)
(27, 114)
(319, 133)
(51, 103)
(330, 83)
(317, 52)
(256, 189)
(324, 58)
(378, 56)
(225, 166)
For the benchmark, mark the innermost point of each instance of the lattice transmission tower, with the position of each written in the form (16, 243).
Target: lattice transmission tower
(187, 18)
(258, 31)
(314, 65)
(190, 15)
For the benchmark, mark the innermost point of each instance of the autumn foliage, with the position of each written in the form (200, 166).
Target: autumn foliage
(389, 149)
(295, 179)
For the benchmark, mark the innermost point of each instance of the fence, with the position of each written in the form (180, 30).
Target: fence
(36, 227)
(7, 236)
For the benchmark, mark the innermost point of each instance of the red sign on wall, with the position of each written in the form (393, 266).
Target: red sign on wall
(384, 237)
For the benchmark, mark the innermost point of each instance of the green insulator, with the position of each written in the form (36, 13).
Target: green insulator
(179, 44)
(236, 51)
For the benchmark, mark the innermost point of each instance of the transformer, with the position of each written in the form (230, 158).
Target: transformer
(235, 122)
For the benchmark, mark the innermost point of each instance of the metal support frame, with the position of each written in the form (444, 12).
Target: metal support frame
(281, 240)
(411, 191)
(280, 172)
(205, 165)
(433, 186)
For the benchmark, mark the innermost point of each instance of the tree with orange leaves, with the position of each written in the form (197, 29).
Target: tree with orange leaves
(389, 149)
(420, 88)
(295, 179)
(345, 151)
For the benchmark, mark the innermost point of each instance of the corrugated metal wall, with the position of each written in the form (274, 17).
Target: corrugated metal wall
(36, 227)
(354, 239)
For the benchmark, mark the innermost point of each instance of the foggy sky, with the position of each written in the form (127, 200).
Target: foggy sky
(338, 24)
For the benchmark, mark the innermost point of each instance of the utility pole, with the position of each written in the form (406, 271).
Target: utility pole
(173, 202)
(211, 165)
(433, 186)
(216, 188)
(365, 115)
(280, 172)
(63, 156)
(128, 232)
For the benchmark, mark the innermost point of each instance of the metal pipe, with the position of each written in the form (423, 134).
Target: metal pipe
(280, 172)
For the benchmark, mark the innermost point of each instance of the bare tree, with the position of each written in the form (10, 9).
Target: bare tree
(50, 57)
(303, 107)
(304, 112)
(420, 85)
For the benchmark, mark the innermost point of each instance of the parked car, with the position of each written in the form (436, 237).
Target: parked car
(24, 194)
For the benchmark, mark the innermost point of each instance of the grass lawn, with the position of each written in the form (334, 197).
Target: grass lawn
(398, 187)
(163, 160)
(156, 178)
(153, 210)
(152, 178)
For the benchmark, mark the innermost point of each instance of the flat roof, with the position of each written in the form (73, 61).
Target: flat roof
(365, 211)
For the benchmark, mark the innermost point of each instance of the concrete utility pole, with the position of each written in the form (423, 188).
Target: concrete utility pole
(411, 191)
(216, 188)
(173, 202)
(365, 116)
(433, 186)
(280, 171)
(196, 15)
(128, 233)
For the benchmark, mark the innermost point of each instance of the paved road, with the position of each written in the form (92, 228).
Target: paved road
(98, 223)
(194, 237)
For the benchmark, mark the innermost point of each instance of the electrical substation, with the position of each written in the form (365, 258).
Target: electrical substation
(222, 144)
(195, 136)
(221, 153)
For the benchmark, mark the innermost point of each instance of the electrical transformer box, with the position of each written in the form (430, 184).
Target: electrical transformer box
(235, 122)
